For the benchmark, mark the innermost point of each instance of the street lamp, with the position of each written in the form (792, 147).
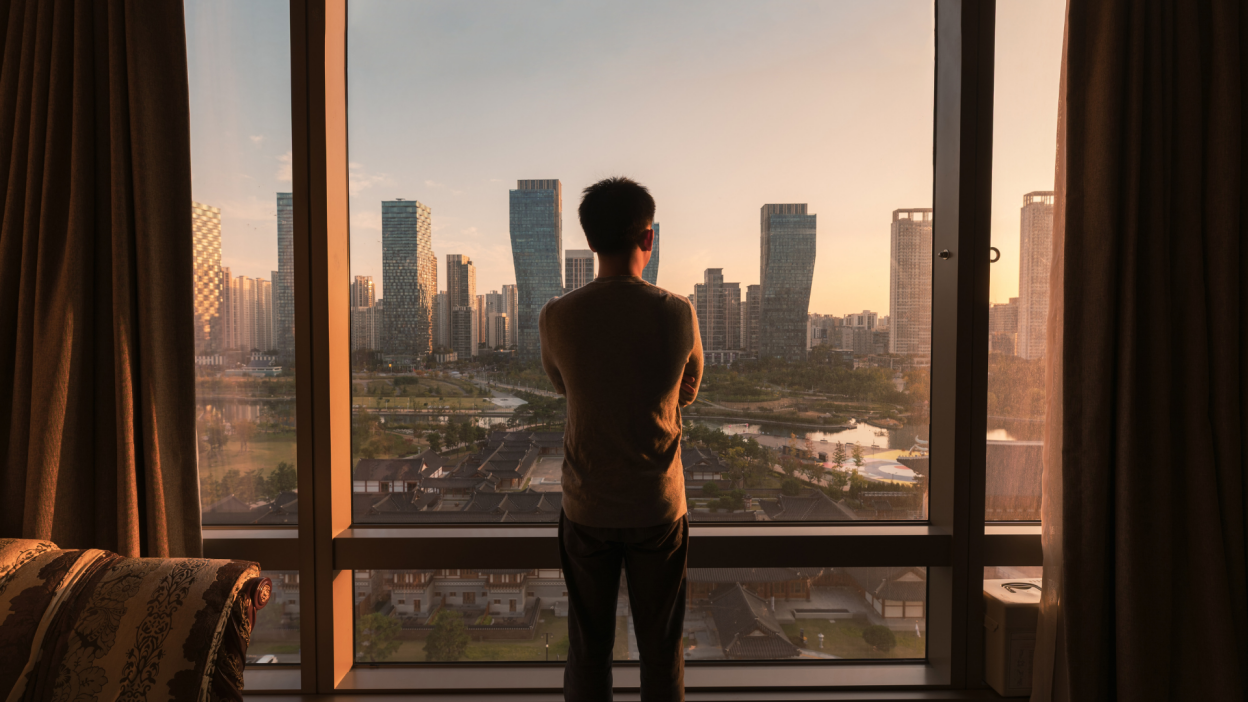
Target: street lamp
(547, 635)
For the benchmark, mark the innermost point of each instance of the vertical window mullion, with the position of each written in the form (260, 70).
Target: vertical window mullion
(962, 209)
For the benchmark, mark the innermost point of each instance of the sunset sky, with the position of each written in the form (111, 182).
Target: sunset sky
(719, 107)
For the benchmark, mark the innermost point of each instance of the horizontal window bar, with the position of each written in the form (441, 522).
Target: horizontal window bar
(1013, 545)
(264, 678)
(697, 677)
(273, 549)
(363, 549)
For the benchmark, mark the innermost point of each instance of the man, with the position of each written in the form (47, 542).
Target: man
(628, 356)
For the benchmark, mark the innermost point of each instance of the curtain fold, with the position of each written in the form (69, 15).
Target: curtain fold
(1145, 499)
(96, 343)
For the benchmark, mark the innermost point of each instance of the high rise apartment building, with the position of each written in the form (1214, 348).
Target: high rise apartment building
(366, 319)
(1034, 262)
(284, 281)
(650, 273)
(461, 292)
(496, 324)
(511, 300)
(786, 271)
(441, 321)
(1003, 327)
(536, 225)
(248, 319)
(483, 329)
(752, 309)
(363, 293)
(409, 276)
(209, 282)
(578, 269)
(910, 285)
(718, 305)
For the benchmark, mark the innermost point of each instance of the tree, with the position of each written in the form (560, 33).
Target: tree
(218, 437)
(790, 487)
(858, 459)
(449, 639)
(375, 636)
(710, 489)
(838, 456)
(880, 638)
(244, 429)
(435, 441)
(282, 478)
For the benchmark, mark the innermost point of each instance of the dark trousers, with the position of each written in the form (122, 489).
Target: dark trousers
(654, 560)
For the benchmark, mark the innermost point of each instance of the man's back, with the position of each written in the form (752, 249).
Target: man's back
(619, 349)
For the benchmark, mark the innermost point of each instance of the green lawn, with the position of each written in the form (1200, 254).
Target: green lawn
(844, 639)
(264, 452)
(421, 403)
(502, 649)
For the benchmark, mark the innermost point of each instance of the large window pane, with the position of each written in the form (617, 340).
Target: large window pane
(243, 228)
(810, 614)
(789, 147)
(1028, 61)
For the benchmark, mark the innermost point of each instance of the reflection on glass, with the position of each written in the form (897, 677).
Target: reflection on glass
(275, 639)
(463, 200)
(243, 234)
(1029, 41)
(732, 614)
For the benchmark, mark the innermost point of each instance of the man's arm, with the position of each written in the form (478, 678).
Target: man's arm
(691, 378)
(548, 361)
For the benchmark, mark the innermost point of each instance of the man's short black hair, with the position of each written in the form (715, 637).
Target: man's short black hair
(615, 213)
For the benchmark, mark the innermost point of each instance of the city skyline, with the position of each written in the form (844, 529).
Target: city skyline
(241, 129)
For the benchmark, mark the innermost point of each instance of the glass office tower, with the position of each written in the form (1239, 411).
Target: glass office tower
(284, 281)
(409, 277)
(786, 272)
(650, 273)
(536, 243)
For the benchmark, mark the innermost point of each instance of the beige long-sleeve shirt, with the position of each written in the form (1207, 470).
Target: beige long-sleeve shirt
(619, 349)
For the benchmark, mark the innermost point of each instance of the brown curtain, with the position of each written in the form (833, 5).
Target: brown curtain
(96, 343)
(1145, 519)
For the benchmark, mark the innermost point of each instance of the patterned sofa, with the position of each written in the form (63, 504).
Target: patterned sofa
(89, 624)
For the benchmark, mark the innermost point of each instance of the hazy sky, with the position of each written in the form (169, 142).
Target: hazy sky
(719, 107)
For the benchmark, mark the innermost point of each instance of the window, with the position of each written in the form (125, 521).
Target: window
(243, 228)
(275, 638)
(412, 191)
(810, 615)
(1029, 49)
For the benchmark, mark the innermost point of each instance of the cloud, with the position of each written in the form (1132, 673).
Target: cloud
(358, 180)
(434, 184)
(285, 169)
(257, 139)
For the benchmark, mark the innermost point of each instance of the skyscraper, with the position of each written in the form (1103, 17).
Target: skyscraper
(363, 293)
(750, 315)
(732, 315)
(708, 300)
(910, 285)
(787, 268)
(483, 329)
(365, 319)
(209, 280)
(578, 269)
(650, 273)
(247, 314)
(409, 276)
(284, 281)
(512, 303)
(441, 321)
(1034, 261)
(536, 241)
(461, 293)
(497, 329)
